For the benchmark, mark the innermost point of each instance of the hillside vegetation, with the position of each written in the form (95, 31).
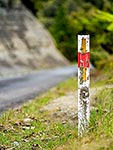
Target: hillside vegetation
(67, 18)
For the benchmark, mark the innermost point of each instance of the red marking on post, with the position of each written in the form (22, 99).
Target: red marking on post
(83, 60)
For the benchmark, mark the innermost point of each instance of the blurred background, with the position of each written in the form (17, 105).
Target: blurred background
(65, 19)
(26, 44)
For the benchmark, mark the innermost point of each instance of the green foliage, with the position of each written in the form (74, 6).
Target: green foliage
(38, 5)
(62, 30)
(98, 57)
(106, 17)
(68, 18)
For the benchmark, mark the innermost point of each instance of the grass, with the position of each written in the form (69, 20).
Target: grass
(100, 134)
(29, 128)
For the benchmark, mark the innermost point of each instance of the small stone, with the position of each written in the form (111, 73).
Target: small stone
(25, 128)
(16, 143)
(27, 120)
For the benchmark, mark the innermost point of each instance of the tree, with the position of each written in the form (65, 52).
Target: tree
(64, 34)
(107, 19)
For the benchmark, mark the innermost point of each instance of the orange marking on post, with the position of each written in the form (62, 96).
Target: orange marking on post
(84, 51)
(83, 45)
(84, 74)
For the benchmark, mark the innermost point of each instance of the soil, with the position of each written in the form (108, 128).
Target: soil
(64, 109)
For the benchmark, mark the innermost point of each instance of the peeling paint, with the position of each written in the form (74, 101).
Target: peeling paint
(83, 83)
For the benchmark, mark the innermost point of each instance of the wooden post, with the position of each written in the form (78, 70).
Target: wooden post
(83, 83)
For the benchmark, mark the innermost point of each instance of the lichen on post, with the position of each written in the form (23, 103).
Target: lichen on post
(83, 83)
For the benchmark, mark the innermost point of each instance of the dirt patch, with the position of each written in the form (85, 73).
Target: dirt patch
(65, 108)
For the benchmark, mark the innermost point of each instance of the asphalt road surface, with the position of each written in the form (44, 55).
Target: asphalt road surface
(17, 90)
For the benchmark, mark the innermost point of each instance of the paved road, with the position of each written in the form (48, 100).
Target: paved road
(16, 90)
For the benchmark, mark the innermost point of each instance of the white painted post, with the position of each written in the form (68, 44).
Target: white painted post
(83, 83)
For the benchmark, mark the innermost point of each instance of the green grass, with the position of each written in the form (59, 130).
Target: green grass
(41, 132)
(100, 134)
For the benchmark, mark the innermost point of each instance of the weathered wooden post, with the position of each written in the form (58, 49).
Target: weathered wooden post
(83, 83)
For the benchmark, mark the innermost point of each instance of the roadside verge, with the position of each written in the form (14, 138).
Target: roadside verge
(50, 121)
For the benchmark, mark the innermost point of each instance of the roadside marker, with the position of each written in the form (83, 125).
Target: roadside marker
(83, 83)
